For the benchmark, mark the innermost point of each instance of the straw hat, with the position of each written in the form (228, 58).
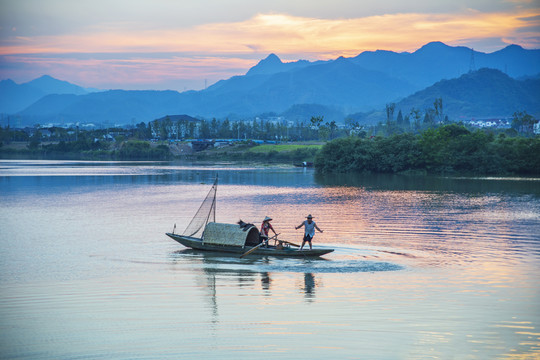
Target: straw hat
(267, 219)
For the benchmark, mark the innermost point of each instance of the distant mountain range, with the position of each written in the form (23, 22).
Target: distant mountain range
(14, 97)
(483, 93)
(301, 89)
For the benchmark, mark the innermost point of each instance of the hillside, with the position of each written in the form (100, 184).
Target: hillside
(484, 93)
(340, 83)
(114, 106)
(437, 61)
(16, 97)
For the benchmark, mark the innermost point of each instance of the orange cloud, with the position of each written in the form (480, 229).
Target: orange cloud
(284, 34)
(104, 57)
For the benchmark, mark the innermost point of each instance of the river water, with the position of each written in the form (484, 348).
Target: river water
(423, 268)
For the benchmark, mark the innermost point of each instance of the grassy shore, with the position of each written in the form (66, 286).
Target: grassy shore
(145, 150)
(280, 153)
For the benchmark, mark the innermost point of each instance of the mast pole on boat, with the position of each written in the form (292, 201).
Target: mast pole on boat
(213, 207)
(215, 197)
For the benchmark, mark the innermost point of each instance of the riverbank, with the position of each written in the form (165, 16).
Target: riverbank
(448, 150)
(147, 150)
(274, 153)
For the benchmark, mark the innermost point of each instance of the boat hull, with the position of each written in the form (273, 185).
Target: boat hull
(196, 243)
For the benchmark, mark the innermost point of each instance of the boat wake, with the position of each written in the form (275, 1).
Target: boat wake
(334, 267)
(224, 262)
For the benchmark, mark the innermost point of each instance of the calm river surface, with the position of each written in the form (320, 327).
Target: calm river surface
(424, 268)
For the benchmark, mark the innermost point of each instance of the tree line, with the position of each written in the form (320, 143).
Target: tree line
(447, 149)
(257, 129)
(107, 144)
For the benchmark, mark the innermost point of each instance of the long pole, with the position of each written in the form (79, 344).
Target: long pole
(258, 246)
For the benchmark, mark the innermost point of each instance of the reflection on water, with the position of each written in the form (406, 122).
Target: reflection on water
(309, 286)
(423, 183)
(423, 267)
(233, 271)
(58, 174)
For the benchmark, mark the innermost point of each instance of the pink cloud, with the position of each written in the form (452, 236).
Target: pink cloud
(226, 49)
(132, 72)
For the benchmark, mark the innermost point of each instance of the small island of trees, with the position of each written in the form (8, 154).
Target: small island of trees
(448, 149)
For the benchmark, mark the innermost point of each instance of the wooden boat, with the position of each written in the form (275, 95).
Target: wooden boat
(203, 234)
(271, 250)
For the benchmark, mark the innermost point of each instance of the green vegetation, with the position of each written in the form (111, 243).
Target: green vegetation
(79, 144)
(283, 148)
(448, 149)
(486, 91)
(276, 130)
(141, 150)
(407, 143)
(248, 151)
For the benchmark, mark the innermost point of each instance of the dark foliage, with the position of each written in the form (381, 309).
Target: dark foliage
(141, 150)
(448, 149)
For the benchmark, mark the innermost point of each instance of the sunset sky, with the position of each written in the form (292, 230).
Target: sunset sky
(181, 45)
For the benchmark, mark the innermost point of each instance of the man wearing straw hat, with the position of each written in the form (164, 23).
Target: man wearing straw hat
(265, 228)
(309, 230)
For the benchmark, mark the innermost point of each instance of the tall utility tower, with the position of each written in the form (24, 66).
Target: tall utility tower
(472, 65)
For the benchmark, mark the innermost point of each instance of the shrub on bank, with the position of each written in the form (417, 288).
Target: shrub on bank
(285, 153)
(448, 149)
(92, 150)
(142, 150)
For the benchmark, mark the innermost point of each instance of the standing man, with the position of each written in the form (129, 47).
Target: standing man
(309, 230)
(265, 229)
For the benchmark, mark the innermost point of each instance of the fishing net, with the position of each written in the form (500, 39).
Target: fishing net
(206, 213)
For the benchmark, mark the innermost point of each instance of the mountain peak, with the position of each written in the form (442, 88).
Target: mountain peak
(8, 82)
(482, 93)
(512, 48)
(342, 61)
(271, 64)
(46, 77)
(50, 85)
(272, 58)
(433, 46)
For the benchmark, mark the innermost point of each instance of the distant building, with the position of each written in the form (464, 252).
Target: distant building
(45, 133)
(175, 126)
(492, 123)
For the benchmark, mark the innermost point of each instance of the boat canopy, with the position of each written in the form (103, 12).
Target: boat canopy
(230, 235)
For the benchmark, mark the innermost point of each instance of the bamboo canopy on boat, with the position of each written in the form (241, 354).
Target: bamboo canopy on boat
(229, 235)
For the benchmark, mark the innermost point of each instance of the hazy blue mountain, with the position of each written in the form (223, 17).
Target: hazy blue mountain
(362, 83)
(342, 86)
(339, 84)
(16, 97)
(483, 93)
(432, 62)
(436, 61)
(512, 60)
(113, 107)
(272, 64)
(301, 112)
(50, 85)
